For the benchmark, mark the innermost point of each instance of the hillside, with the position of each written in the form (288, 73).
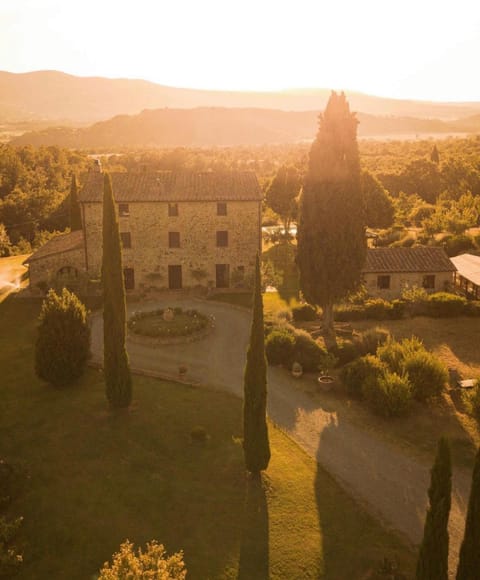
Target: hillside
(59, 97)
(221, 127)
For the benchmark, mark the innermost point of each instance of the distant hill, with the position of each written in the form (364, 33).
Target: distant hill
(215, 126)
(67, 99)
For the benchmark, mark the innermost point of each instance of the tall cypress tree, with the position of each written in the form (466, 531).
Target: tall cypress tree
(433, 557)
(469, 562)
(256, 446)
(75, 215)
(118, 379)
(331, 228)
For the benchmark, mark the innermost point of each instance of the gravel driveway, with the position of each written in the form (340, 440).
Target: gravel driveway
(387, 482)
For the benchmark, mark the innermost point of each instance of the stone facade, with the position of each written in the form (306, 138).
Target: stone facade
(60, 262)
(197, 224)
(178, 231)
(398, 281)
(389, 271)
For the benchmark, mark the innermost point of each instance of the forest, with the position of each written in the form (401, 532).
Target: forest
(431, 185)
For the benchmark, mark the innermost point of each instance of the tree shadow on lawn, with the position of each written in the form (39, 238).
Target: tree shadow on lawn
(354, 542)
(254, 547)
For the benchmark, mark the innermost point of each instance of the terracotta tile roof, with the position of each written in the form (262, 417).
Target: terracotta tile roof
(468, 266)
(57, 245)
(417, 259)
(175, 186)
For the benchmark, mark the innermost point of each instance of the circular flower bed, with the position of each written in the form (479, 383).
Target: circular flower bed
(168, 323)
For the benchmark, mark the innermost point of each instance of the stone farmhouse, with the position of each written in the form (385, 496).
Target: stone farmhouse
(388, 271)
(178, 230)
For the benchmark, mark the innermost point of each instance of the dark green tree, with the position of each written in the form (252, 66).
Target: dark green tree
(63, 342)
(469, 561)
(331, 229)
(379, 210)
(282, 192)
(118, 379)
(432, 561)
(256, 446)
(434, 155)
(75, 215)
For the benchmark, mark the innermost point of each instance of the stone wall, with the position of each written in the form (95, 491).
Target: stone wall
(197, 222)
(46, 271)
(398, 281)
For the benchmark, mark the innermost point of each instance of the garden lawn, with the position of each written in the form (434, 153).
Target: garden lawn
(455, 341)
(90, 479)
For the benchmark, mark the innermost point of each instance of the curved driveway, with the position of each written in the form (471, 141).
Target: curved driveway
(390, 484)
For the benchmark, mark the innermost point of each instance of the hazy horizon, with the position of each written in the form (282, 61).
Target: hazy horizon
(415, 51)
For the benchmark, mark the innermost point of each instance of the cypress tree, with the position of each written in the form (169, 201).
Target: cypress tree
(469, 561)
(256, 446)
(434, 155)
(75, 215)
(331, 228)
(118, 379)
(63, 342)
(432, 562)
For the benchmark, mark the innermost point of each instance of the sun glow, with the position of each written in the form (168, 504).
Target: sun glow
(411, 49)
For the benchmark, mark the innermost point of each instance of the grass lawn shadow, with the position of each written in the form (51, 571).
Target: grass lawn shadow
(254, 547)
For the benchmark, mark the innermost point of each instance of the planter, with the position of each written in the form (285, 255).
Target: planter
(297, 370)
(326, 382)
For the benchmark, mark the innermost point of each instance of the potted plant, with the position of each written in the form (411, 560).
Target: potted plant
(297, 370)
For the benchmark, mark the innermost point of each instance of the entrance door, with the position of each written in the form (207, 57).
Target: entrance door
(174, 277)
(222, 275)
(129, 278)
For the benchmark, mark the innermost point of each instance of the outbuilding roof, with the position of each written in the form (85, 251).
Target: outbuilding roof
(468, 266)
(416, 259)
(58, 245)
(172, 186)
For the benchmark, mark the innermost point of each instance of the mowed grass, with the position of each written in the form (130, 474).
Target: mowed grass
(90, 479)
(456, 342)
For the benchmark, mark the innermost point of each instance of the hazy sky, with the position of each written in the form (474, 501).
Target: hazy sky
(426, 49)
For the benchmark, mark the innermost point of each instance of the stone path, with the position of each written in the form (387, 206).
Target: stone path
(387, 482)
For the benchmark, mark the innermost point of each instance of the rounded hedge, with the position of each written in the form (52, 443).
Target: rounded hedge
(360, 371)
(63, 341)
(390, 395)
(426, 373)
(279, 346)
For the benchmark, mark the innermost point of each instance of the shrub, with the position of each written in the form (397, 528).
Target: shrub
(63, 342)
(471, 401)
(472, 308)
(426, 373)
(150, 563)
(377, 308)
(390, 395)
(355, 374)
(394, 353)
(458, 244)
(304, 313)
(368, 341)
(307, 351)
(399, 309)
(279, 346)
(444, 304)
(345, 351)
(349, 312)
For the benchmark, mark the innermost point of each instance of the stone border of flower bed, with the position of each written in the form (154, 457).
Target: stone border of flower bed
(166, 340)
